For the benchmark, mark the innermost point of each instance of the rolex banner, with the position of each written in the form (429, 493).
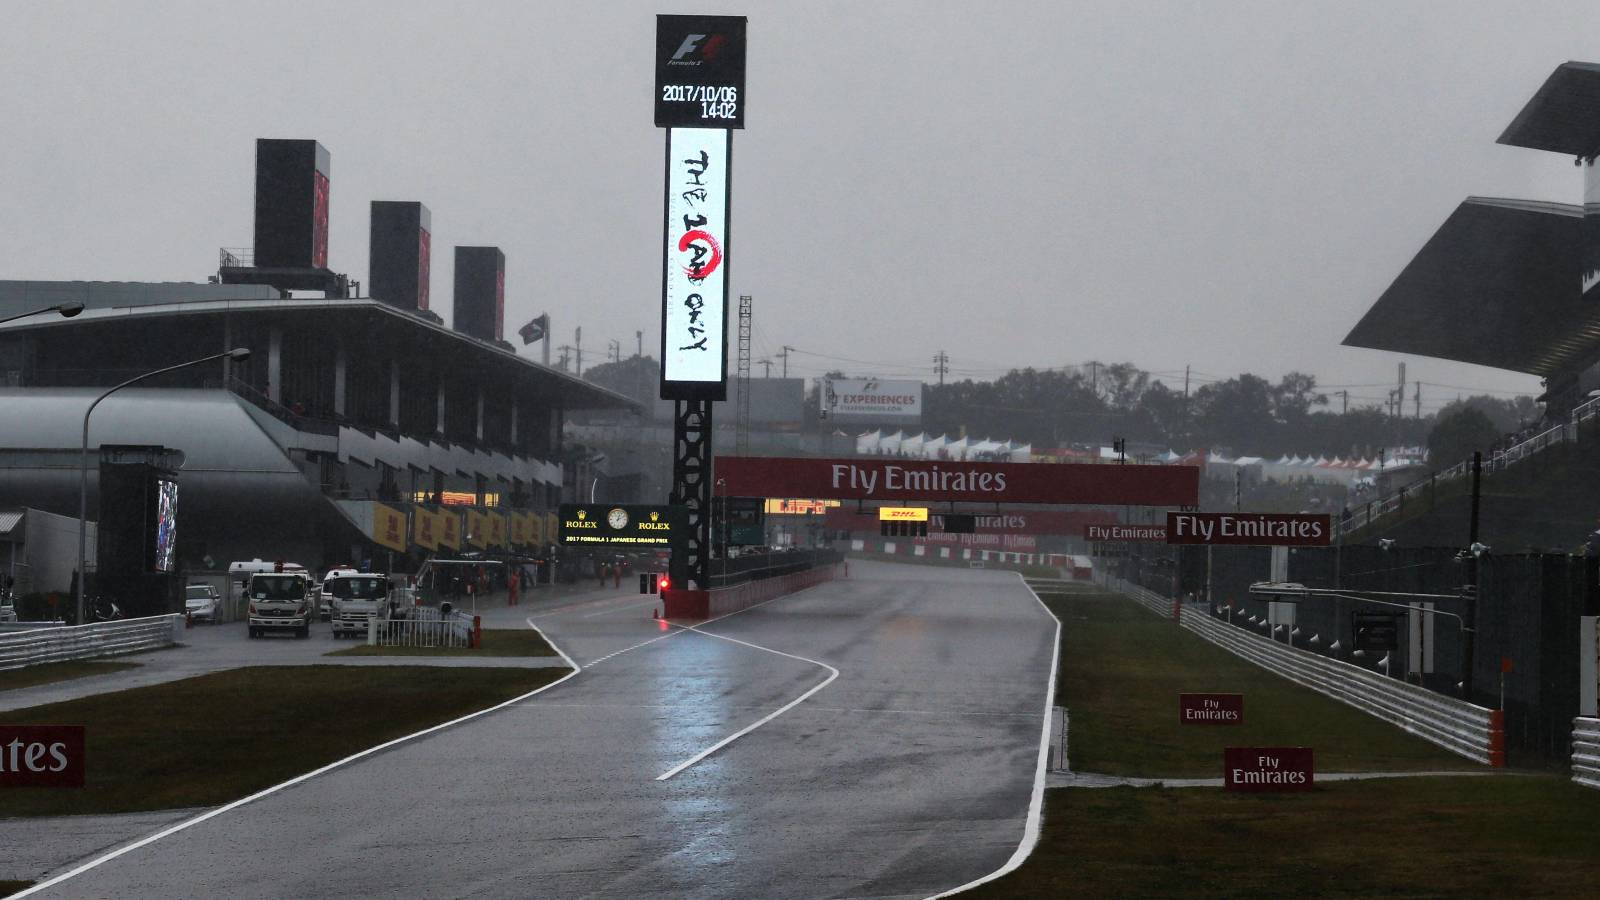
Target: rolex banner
(630, 525)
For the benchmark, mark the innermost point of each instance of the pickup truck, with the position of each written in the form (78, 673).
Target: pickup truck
(281, 600)
(357, 597)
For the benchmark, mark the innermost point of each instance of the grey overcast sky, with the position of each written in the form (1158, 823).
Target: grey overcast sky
(1222, 184)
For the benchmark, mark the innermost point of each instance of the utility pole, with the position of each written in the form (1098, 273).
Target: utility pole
(1400, 394)
(1186, 384)
(941, 365)
(577, 341)
(639, 336)
(614, 351)
(1345, 409)
(1419, 400)
(566, 356)
(766, 367)
(785, 355)
(1094, 377)
(1471, 623)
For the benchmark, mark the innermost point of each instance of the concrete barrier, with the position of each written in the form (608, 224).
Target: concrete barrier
(684, 604)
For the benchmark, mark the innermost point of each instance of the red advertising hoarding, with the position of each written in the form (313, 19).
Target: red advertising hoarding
(868, 478)
(1046, 521)
(42, 756)
(1244, 529)
(1100, 533)
(1267, 769)
(1211, 709)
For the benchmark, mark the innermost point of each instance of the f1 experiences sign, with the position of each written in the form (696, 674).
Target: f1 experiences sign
(871, 400)
(42, 755)
(694, 292)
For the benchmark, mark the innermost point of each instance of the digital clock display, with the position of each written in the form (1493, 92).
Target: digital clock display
(700, 71)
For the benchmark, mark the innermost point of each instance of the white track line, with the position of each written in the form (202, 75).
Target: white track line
(832, 674)
(1030, 830)
(229, 807)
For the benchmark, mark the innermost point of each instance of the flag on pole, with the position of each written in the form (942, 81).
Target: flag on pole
(535, 330)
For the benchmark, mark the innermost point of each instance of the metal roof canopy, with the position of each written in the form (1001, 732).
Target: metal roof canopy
(1497, 285)
(1563, 116)
(583, 394)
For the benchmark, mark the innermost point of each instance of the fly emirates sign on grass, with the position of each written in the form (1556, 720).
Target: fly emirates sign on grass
(866, 478)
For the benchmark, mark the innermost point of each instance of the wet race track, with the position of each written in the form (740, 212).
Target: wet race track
(907, 773)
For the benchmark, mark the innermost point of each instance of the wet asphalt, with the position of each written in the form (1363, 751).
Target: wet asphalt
(909, 773)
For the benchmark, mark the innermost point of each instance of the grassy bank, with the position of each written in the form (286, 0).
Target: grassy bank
(1500, 836)
(496, 642)
(207, 740)
(1122, 669)
(50, 673)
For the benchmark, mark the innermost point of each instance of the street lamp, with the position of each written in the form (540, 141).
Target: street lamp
(237, 354)
(67, 310)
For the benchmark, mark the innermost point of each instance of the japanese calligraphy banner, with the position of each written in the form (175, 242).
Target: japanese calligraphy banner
(694, 292)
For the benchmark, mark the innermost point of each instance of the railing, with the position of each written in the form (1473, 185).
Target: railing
(1586, 752)
(1498, 461)
(236, 257)
(297, 421)
(425, 626)
(49, 644)
(1463, 728)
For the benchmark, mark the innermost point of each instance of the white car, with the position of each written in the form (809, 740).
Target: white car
(200, 601)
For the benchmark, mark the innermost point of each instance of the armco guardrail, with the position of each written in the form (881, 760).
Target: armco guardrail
(743, 596)
(1472, 731)
(1586, 752)
(62, 643)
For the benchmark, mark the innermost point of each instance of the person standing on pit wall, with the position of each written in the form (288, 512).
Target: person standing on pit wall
(600, 571)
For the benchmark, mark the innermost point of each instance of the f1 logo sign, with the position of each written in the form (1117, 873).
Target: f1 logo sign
(687, 47)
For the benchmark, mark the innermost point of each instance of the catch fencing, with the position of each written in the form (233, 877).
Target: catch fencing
(426, 626)
(1466, 729)
(60, 643)
(1586, 752)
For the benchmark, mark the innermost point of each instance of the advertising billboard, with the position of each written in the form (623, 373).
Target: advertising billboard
(873, 401)
(889, 479)
(1249, 529)
(700, 71)
(694, 285)
(630, 525)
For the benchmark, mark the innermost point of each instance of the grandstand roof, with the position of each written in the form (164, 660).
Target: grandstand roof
(1564, 115)
(1497, 285)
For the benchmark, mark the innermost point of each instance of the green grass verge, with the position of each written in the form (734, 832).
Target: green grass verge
(50, 673)
(1122, 669)
(215, 738)
(1499, 836)
(7, 888)
(496, 642)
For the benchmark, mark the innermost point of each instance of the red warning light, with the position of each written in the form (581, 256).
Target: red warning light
(665, 582)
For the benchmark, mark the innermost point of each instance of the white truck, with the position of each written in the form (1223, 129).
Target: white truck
(357, 597)
(281, 600)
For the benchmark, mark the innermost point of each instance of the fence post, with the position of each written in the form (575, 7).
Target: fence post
(372, 631)
(477, 632)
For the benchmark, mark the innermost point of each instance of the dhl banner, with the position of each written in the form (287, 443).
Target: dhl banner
(424, 528)
(551, 526)
(497, 529)
(447, 524)
(535, 530)
(519, 529)
(477, 529)
(389, 527)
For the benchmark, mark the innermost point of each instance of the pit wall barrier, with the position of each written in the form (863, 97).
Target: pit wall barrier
(1463, 728)
(685, 604)
(49, 644)
(1586, 751)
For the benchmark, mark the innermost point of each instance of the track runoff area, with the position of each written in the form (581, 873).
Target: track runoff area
(881, 735)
